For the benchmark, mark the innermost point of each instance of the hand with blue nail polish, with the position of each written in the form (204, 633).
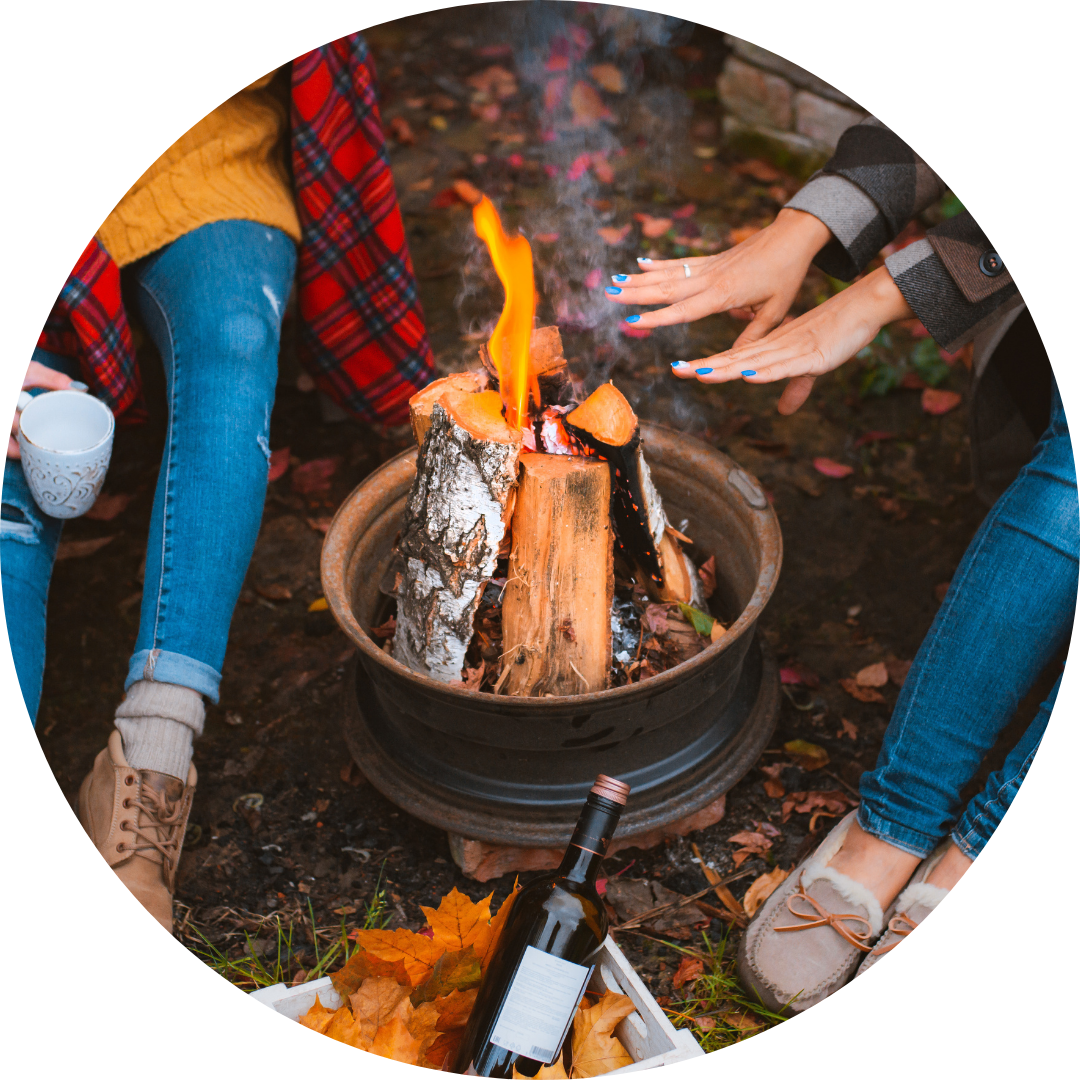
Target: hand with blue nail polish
(747, 374)
(633, 318)
(613, 290)
(620, 277)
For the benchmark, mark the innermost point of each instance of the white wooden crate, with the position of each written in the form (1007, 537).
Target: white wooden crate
(648, 1035)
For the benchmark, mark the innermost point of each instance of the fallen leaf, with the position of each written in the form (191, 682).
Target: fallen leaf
(653, 227)
(756, 840)
(555, 1071)
(897, 669)
(107, 507)
(385, 630)
(806, 802)
(274, 591)
(494, 80)
(467, 192)
(684, 211)
(761, 888)
(587, 105)
(349, 1029)
(701, 622)
(737, 236)
(707, 573)
(705, 1023)
(861, 693)
(758, 170)
(613, 236)
(419, 954)
(377, 1001)
(872, 675)
(717, 631)
(593, 1048)
(80, 549)
(319, 605)
(497, 924)
(687, 972)
(402, 131)
(740, 1021)
(774, 786)
(808, 756)
(847, 728)
(318, 1017)
(828, 467)
(869, 437)
(608, 77)
(314, 476)
(395, 1041)
(279, 464)
(458, 921)
(940, 590)
(938, 402)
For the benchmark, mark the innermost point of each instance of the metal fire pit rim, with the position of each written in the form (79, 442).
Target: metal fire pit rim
(337, 551)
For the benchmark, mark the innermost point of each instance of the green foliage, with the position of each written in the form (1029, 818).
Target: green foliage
(927, 362)
(701, 622)
(718, 995)
(377, 913)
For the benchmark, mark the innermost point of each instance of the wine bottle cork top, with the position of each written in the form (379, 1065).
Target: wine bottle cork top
(610, 788)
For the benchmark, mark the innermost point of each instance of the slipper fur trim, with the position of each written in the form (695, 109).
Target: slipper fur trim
(921, 892)
(817, 869)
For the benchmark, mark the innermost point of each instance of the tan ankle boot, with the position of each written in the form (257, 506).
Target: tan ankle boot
(137, 820)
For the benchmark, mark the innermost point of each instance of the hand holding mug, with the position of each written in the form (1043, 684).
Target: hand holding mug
(38, 376)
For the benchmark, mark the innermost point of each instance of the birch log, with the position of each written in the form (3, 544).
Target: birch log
(421, 404)
(557, 605)
(455, 518)
(606, 424)
(546, 362)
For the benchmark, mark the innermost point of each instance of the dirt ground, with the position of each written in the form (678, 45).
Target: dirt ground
(279, 819)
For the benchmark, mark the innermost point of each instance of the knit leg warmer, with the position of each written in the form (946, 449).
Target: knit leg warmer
(157, 723)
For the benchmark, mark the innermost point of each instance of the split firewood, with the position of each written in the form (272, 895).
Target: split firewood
(606, 424)
(421, 404)
(548, 364)
(557, 605)
(454, 522)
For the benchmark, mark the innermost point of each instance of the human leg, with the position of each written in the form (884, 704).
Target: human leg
(28, 542)
(212, 301)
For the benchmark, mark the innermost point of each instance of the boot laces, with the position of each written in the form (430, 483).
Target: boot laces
(161, 816)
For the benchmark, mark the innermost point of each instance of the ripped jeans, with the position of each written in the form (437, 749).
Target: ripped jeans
(212, 301)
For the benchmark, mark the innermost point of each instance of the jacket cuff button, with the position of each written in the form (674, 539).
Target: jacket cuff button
(990, 264)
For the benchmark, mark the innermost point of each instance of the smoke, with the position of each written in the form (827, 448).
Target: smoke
(604, 111)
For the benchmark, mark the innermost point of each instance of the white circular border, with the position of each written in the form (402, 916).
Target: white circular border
(982, 92)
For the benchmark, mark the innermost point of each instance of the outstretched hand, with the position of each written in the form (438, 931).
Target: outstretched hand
(810, 345)
(762, 274)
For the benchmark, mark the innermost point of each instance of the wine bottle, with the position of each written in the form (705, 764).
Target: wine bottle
(545, 954)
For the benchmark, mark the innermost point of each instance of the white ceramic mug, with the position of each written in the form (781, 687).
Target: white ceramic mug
(65, 438)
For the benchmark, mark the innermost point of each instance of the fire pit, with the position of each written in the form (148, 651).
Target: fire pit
(514, 770)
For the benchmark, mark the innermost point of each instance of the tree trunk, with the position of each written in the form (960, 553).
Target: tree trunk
(557, 606)
(421, 404)
(454, 522)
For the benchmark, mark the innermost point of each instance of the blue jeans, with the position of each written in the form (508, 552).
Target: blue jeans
(1008, 612)
(212, 301)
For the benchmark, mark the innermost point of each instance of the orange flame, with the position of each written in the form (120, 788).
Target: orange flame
(509, 344)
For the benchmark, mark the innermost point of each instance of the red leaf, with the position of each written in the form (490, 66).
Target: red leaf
(279, 464)
(314, 476)
(612, 235)
(684, 211)
(869, 437)
(939, 402)
(828, 467)
(758, 170)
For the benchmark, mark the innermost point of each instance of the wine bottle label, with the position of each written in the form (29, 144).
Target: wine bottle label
(539, 1005)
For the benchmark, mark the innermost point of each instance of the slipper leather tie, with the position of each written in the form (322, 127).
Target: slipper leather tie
(856, 938)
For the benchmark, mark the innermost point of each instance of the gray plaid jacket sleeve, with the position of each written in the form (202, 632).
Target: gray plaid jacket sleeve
(866, 193)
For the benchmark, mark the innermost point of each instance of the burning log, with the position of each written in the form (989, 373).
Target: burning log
(606, 424)
(421, 404)
(454, 522)
(557, 605)
(546, 362)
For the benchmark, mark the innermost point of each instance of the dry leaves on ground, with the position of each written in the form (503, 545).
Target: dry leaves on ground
(816, 804)
(608, 77)
(872, 675)
(833, 469)
(861, 693)
(750, 844)
(80, 549)
(314, 476)
(938, 402)
(807, 755)
(761, 888)
(688, 971)
(774, 786)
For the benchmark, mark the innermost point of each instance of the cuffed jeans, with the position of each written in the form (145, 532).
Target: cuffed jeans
(212, 301)
(1008, 612)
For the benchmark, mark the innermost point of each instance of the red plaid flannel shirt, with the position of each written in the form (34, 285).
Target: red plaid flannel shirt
(361, 332)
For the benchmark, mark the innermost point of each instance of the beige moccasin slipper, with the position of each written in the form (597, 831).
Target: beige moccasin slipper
(811, 934)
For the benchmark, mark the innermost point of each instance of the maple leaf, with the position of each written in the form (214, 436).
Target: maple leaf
(555, 1071)
(806, 802)
(761, 888)
(454, 1009)
(861, 693)
(496, 927)
(362, 965)
(460, 922)
(593, 1048)
(377, 1002)
(418, 953)
(395, 1040)
(349, 1029)
(318, 1017)
(458, 970)
(445, 1046)
(423, 1026)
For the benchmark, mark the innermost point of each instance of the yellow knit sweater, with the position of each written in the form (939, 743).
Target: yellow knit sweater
(230, 165)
